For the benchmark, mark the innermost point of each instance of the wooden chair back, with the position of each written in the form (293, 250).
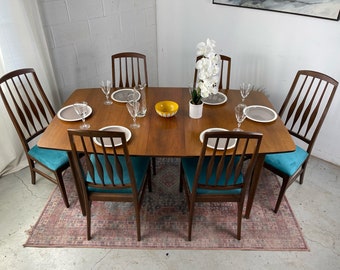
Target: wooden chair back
(26, 103)
(222, 163)
(306, 105)
(129, 69)
(99, 164)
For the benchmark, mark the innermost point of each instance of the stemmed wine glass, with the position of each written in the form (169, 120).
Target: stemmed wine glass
(133, 107)
(240, 115)
(245, 89)
(106, 88)
(81, 110)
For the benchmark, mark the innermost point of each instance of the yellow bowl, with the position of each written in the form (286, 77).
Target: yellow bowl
(166, 108)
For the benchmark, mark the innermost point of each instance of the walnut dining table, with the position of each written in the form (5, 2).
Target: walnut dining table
(177, 136)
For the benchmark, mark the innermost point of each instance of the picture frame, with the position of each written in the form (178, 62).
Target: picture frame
(322, 9)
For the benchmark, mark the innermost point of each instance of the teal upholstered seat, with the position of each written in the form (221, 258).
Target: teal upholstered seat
(139, 164)
(287, 163)
(53, 159)
(189, 167)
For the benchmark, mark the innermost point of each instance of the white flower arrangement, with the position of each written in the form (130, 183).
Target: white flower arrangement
(208, 68)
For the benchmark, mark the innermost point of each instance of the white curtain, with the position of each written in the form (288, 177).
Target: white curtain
(22, 45)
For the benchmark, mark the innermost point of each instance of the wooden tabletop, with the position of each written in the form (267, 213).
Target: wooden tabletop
(177, 136)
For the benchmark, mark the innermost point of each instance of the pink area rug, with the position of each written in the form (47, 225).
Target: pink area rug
(164, 220)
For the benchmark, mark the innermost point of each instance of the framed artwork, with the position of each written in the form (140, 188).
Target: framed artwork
(324, 9)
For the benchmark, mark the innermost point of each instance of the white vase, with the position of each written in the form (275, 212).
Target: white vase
(195, 111)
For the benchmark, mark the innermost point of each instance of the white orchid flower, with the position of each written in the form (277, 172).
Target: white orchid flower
(211, 43)
(201, 48)
(208, 68)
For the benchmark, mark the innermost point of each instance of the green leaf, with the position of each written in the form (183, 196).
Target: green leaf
(196, 96)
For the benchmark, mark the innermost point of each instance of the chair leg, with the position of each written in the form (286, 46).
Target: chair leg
(191, 216)
(239, 219)
(284, 186)
(88, 219)
(148, 179)
(303, 173)
(138, 222)
(33, 173)
(61, 185)
(181, 176)
(154, 165)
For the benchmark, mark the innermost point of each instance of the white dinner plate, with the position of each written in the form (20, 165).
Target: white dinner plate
(221, 143)
(215, 99)
(122, 94)
(117, 141)
(260, 113)
(69, 114)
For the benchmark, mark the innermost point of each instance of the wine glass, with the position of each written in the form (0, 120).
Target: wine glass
(240, 115)
(81, 110)
(133, 107)
(106, 88)
(245, 89)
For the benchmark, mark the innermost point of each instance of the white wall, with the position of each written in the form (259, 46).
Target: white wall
(267, 48)
(83, 34)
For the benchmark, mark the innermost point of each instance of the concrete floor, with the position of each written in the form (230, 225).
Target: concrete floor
(316, 205)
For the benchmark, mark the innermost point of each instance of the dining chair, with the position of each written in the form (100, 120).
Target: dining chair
(31, 112)
(106, 175)
(128, 70)
(225, 69)
(219, 174)
(303, 112)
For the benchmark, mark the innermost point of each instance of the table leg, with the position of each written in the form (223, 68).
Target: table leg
(254, 182)
(79, 190)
